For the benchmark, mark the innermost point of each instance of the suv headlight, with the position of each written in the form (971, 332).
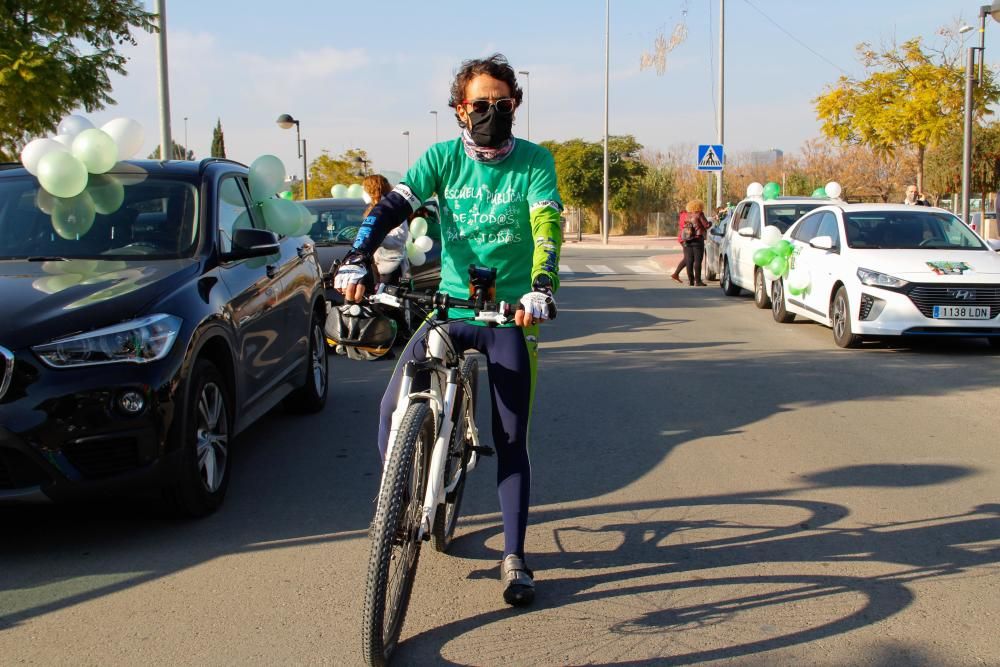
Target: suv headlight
(137, 341)
(876, 279)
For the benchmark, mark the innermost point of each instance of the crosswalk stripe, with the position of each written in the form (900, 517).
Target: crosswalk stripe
(564, 268)
(642, 268)
(600, 268)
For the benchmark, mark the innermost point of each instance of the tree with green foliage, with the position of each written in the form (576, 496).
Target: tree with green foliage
(327, 171)
(912, 99)
(180, 152)
(218, 140)
(944, 163)
(56, 56)
(580, 173)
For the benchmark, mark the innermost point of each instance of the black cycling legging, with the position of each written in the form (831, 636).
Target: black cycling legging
(511, 356)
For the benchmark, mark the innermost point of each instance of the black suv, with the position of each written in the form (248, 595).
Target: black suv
(146, 322)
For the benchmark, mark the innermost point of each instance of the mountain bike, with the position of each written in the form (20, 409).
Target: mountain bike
(433, 445)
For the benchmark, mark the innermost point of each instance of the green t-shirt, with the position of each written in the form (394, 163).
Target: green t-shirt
(503, 215)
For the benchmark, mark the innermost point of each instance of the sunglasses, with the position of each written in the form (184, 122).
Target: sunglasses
(504, 105)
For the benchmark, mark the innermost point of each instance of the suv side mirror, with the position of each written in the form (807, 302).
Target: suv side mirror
(822, 242)
(253, 243)
(746, 231)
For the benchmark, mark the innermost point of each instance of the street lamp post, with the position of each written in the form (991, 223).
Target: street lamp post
(406, 133)
(364, 164)
(185, 137)
(527, 110)
(605, 227)
(285, 122)
(166, 142)
(435, 126)
(970, 82)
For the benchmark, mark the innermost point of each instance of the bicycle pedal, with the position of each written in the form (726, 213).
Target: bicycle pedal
(483, 451)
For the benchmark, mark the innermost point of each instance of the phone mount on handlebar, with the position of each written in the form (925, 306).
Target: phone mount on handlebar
(482, 285)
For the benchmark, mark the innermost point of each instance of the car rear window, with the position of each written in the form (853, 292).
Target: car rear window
(115, 217)
(784, 216)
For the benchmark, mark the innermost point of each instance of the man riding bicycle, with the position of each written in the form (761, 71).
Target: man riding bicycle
(499, 207)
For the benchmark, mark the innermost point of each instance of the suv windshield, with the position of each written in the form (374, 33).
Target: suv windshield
(784, 216)
(114, 218)
(335, 224)
(909, 230)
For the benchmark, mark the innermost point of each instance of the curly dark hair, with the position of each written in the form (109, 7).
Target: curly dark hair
(495, 66)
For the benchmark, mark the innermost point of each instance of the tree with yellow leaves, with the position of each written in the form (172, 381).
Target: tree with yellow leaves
(912, 99)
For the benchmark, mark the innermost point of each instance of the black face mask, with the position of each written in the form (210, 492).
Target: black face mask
(491, 129)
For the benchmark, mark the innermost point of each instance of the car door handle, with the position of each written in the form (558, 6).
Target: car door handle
(271, 270)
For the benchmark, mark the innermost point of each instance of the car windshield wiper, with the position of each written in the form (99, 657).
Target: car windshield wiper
(329, 242)
(45, 258)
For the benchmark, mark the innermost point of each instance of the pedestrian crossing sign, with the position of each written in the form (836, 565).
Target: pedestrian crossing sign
(710, 157)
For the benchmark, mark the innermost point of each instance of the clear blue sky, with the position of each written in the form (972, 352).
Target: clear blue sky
(359, 73)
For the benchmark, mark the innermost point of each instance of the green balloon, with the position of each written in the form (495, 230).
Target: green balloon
(62, 174)
(355, 191)
(338, 191)
(819, 192)
(281, 216)
(107, 192)
(287, 194)
(783, 248)
(795, 291)
(778, 265)
(772, 190)
(763, 257)
(267, 177)
(96, 150)
(73, 218)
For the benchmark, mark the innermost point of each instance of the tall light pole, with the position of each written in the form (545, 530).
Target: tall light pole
(406, 133)
(166, 142)
(527, 110)
(722, 99)
(970, 82)
(185, 137)
(285, 122)
(605, 225)
(435, 126)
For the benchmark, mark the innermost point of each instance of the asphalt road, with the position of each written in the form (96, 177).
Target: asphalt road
(709, 488)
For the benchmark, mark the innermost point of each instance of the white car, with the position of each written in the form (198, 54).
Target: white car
(889, 270)
(742, 239)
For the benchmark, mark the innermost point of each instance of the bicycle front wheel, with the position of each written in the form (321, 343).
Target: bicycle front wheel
(446, 517)
(395, 550)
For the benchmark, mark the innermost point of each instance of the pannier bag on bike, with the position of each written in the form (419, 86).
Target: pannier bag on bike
(365, 333)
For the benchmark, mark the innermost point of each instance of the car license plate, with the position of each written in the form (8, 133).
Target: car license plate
(961, 312)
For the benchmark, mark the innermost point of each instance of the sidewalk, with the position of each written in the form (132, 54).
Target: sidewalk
(665, 243)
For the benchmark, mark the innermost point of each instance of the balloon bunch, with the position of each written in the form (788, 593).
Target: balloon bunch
(281, 215)
(777, 261)
(831, 190)
(340, 191)
(71, 168)
(419, 243)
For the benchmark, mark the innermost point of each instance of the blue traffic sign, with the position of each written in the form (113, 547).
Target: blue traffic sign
(710, 157)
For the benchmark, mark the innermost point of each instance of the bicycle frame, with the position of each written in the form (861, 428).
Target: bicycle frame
(442, 403)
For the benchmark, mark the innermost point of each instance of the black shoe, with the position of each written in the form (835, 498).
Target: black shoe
(518, 581)
(701, 284)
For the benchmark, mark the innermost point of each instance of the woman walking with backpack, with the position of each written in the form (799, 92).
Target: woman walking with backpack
(691, 235)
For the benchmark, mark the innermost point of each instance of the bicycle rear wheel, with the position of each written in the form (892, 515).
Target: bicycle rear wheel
(459, 452)
(395, 550)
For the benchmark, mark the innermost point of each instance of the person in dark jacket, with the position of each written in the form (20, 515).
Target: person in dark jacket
(691, 235)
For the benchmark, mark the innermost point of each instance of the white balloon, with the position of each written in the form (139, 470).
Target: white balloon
(127, 134)
(418, 227)
(770, 235)
(416, 256)
(34, 151)
(833, 190)
(423, 243)
(355, 191)
(65, 139)
(74, 125)
(755, 189)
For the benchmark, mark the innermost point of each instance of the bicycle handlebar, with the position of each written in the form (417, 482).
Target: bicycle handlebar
(492, 312)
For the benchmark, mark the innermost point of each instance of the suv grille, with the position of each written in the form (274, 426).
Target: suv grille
(6, 369)
(103, 458)
(925, 297)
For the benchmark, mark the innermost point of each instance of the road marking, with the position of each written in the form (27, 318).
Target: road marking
(564, 268)
(643, 268)
(600, 268)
